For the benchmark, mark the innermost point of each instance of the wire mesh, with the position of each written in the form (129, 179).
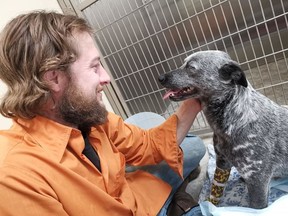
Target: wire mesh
(142, 39)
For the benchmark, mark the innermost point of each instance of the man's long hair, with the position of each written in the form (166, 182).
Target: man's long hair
(30, 45)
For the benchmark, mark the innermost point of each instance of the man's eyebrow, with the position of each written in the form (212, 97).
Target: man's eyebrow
(96, 59)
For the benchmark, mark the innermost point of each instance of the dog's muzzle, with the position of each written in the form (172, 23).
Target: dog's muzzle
(174, 93)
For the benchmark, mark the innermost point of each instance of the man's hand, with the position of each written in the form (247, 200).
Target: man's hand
(186, 114)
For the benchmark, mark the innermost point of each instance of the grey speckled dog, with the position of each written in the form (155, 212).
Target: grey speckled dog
(250, 130)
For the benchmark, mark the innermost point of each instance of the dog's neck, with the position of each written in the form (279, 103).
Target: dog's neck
(215, 107)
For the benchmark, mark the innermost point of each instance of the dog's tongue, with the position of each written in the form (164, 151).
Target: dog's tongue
(168, 93)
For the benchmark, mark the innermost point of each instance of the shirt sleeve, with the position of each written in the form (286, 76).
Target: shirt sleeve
(146, 147)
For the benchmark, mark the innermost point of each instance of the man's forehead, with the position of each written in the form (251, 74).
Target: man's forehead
(85, 47)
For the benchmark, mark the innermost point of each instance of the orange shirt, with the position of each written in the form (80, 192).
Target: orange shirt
(43, 171)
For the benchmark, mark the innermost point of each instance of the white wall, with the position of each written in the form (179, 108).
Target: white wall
(11, 8)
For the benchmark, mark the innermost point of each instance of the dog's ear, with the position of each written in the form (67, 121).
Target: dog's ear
(233, 72)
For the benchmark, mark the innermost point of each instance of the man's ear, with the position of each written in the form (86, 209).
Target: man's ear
(55, 79)
(232, 72)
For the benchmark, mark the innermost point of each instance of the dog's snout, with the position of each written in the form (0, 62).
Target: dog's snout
(162, 78)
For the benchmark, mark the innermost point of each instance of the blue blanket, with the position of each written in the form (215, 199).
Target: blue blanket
(235, 194)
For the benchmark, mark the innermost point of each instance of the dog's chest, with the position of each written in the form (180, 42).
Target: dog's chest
(237, 154)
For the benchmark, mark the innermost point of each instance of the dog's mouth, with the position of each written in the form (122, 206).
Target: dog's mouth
(179, 94)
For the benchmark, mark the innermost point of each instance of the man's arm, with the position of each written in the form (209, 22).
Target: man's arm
(186, 115)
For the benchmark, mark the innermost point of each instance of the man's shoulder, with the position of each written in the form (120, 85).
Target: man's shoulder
(8, 144)
(10, 138)
(16, 145)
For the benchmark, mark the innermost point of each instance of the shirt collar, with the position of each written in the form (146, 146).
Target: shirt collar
(49, 134)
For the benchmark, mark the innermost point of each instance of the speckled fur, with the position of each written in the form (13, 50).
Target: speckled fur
(250, 130)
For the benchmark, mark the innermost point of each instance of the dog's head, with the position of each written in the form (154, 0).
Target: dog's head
(203, 74)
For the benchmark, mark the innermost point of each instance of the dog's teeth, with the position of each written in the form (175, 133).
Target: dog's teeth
(187, 90)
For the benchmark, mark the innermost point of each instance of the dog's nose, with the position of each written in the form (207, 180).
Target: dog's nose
(161, 78)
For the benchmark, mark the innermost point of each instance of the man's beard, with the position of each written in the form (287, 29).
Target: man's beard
(79, 110)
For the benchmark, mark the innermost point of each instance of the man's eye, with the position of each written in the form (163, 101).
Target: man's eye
(95, 67)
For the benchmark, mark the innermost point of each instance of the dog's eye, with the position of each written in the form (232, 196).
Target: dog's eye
(188, 66)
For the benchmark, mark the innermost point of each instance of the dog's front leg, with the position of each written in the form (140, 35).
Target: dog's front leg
(258, 190)
(221, 175)
(218, 185)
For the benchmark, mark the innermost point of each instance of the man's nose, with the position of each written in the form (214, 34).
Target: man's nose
(105, 77)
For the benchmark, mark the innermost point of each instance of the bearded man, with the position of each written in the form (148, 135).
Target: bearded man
(65, 154)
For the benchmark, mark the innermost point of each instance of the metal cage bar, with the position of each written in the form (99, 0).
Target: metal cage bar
(139, 40)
